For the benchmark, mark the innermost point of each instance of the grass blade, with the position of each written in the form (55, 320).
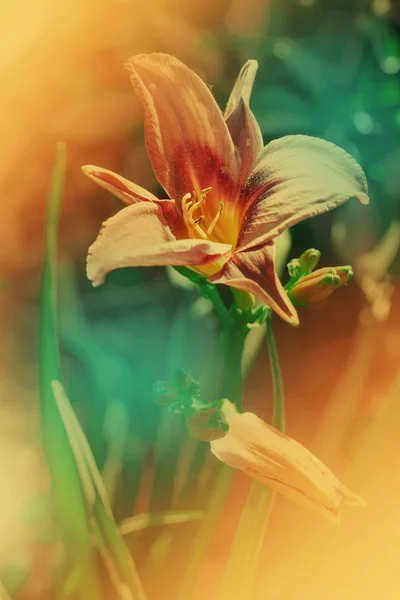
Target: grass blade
(67, 490)
(171, 517)
(117, 558)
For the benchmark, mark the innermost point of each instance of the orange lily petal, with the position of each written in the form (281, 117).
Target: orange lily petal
(130, 193)
(242, 124)
(138, 236)
(122, 188)
(295, 178)
(253, 271)
(281, 463)
(187, 139)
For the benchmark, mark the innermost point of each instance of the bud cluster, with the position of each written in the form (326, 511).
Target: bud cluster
(204, 421)
(306, 285)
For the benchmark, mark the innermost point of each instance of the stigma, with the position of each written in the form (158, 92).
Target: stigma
(193, 214)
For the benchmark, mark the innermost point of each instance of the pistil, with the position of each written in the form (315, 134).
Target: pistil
(215, 219)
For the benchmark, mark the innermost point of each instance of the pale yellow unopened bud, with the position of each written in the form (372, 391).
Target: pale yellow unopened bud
(319, 285)
(273, 458)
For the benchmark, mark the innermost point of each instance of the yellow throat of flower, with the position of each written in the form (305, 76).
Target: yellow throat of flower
(202, 223)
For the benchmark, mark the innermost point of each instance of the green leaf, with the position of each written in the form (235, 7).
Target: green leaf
(68, 496)
(116, 556)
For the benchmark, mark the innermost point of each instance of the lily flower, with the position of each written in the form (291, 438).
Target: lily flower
(284, 465)
(228, 195)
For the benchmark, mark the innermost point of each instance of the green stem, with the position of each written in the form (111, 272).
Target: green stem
(212, 293)
(233, 339)
(247, 545)
(278, 412)
(234, 333)
(209, 291)
(66, 488)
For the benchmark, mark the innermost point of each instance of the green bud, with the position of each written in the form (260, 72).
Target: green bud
(309, 260)
(294, 268)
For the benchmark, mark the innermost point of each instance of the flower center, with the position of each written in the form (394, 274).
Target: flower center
(197, 224)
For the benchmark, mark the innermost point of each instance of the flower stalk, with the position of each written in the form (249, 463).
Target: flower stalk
(233, 339)
(247, 545)
(278, 411)
(234, 332)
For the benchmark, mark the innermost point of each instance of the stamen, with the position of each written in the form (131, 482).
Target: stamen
(196, 205)
(200, 232)
(205, 191)
(215, 219)
(190, 203)
(195, 225)
(185, 198)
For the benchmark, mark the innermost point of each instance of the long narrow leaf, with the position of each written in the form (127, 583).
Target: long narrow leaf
(117, 558)
(171, 517)
(67, 491)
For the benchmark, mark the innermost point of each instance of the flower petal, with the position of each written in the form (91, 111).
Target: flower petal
(130, 193)
(242, 124)
(253, 271)
(294, 178)
(187, 139)
(122, 188)
(269, 456)
(138, 236)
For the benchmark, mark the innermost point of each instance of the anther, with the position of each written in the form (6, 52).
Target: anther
(206, 191)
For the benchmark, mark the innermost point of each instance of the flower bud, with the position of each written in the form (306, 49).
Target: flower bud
(294, 268)
(345, 273)
(281, 463)
(309, 260)
(319, 285)
(207, 424)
